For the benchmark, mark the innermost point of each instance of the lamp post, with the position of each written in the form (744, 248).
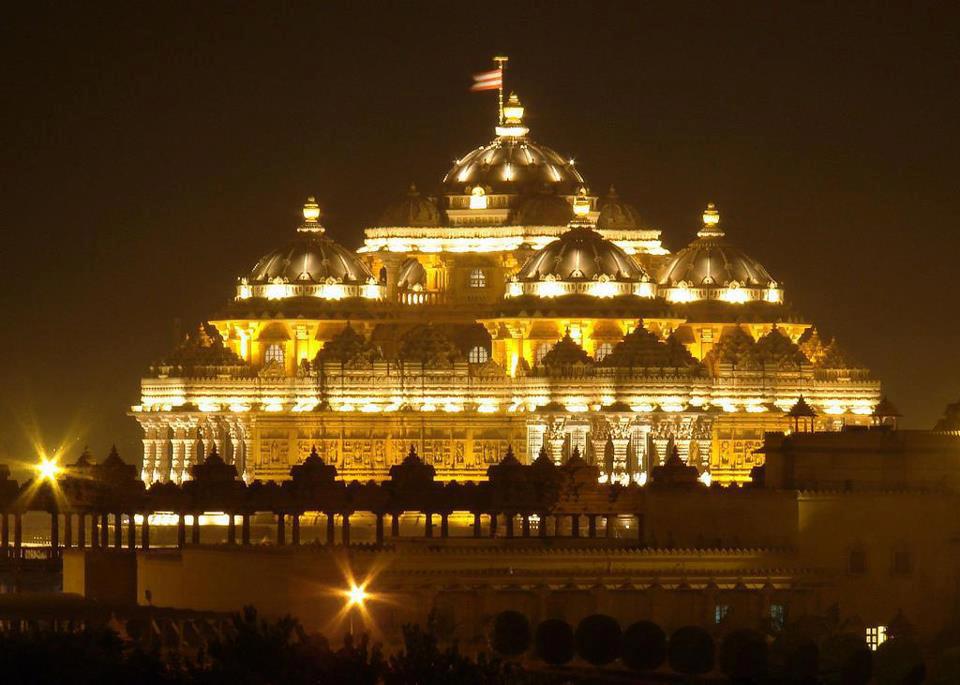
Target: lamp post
(356, 596)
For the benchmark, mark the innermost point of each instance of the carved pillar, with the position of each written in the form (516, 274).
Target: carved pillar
(17, 535)
(105, 530)
(181, 531)
(444, 525)
(395, 525)
(131, 531)
(509, 521)
(5, 532)
(611, 527)
(81, 530)
(428, 524)
(525, 525)
(345, 533)
(591, 525)
(575, 525)
(295, 528)
(281, 529)
(331, 528)
(245, 529)
(190, 456)
(379, 529)
(149, 463)
(195, 530)
(118, 531)
(232, 529)
(477, 524)
(54, 534)
(67, 530)
(161, 471)
(145, 531)
(94, 530)
(176, 451)
(542, 525)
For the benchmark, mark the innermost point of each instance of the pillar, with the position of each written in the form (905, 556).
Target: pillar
(118, 531)
(54, 534)
(232, 529)
(81, 530)
(245, 529)
(331, 528)
(68, 530)
(195, 530)
(145, 533)
(611, 525)
(428, 525)
(477, 523)
(542, 525)
(94, 530)
(5, 532)
(131, 531)
(591, 525)
(104, 531)
(17, 534)
(295, 528)
(575, 525)
(345, 534)
(181, 531)
(444, 525)
(525, 525)
(493, 525)
(395, 525)
(379, 529)
(281, 529)
(509, 518)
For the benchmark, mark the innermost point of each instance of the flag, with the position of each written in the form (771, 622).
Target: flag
(488, 80)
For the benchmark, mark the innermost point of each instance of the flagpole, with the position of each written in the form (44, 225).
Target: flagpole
(500, 60)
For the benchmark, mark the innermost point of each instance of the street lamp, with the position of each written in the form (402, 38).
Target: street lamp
(356, 596)
(47, 469)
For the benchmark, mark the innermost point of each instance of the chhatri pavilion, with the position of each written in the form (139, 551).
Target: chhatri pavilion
(514, 308)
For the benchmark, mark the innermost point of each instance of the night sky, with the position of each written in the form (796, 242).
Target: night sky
(154, 152)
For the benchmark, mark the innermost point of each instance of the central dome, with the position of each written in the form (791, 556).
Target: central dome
(512, 163)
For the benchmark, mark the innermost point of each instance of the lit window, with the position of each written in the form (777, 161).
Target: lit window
(478, 198)
(274, 353)
(478, 355)
(778, 616)
(876, 636)
(542, 350)
(603, 349)
(720, 612)
(478, 279)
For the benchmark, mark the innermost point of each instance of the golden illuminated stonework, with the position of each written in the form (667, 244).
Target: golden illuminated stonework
(515, 309)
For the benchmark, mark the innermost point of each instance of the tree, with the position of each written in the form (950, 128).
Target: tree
(898, 662)
(598, 639)
(511, 633)
(554, 641)
(690, 651)
(644, 646)
(743, 656)
(794, 657)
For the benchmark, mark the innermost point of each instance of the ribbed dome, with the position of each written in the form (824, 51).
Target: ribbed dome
(413, 210)
(543, 209)
(581, 254)
(311, 257)
(711, 260)
(617, 215)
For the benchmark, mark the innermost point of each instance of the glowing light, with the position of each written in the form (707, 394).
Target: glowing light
(370, 408)
(642, 408)
(332, 291)
(356, 595)
(640, 478)
(756, 408)
(773, 294)
(487, 408)
(372, 291)
(464, 174)
(549, 288)
(239, 408)
(47, 469)
(681, 293)
(507, 172)
(576, 408)
(735, 294)
(711, 217)
(428, 407)
(452, 408)
(834, 408)
(705, 478)
(514, 289)
(604, 288)
(581, 204)
(311, 211)
(478, 198)
(275, 291)
(645, 289)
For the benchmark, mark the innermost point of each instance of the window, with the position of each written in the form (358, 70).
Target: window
(478, 355)
(478, 279)
(902, 564)
(876, 636)
(720, 612)
(857, 562)
(603, 349)
(542, 350)
(274, 353)
(778, 616)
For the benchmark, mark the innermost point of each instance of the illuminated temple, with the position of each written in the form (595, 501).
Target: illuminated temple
(514, 308)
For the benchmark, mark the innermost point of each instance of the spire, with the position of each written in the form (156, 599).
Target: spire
(711, 223)
(311, 217)
(581, 210)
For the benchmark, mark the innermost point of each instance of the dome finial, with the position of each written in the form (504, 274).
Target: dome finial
(512, 119)
(711, 222)
(581, 209)
(311, 217)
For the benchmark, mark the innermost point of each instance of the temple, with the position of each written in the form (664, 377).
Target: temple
(513, 309)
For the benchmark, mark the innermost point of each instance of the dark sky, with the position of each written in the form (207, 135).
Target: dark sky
(154, 151)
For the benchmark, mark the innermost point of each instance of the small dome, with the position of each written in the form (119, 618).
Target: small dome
(617, 215)
(581, 254)
(543, 209)
(310, 258)
(711, 260)
(413, 210)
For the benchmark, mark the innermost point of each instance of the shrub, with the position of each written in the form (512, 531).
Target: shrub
(554, 641)
(511, 633)
(644, 646)
(743, 655)
(690, 651)
(845, 658)
(898, 662)
(598, 639)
